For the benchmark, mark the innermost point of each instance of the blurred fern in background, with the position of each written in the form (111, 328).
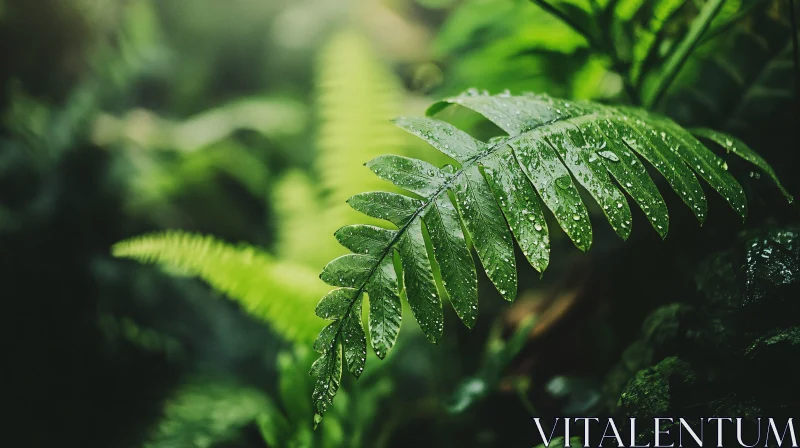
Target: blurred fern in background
(357, 96)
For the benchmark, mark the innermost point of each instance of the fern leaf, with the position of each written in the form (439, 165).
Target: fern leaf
(243, 273)
(551, 145)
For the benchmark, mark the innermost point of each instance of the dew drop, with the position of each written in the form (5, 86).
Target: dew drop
(609, 156)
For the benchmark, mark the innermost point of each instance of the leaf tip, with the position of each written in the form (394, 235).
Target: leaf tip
(436, 107)
(317, 420)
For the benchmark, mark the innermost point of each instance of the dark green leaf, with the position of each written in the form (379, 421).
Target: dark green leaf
(443, 136)
(740, 148)
(385, 309)
(521, 207)
(348, 270)
(326, 337)
(410, 174)
(335, 304)
(705, 163)
(541, 165)
(328, 371)
(495, 190)
(586, 167)
(488, 230)
(426, 305)
(455, 262)
(664, 158)
(629, 172)
(365, 239)
(354, 341)
(392, 207)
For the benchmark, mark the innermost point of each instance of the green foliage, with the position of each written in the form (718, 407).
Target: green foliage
(516, 45)
(738, 147)
(743, 77)
(605, 49)
(494, 192)
(243, 273)
(203, 413)
(683, 49)
(206, 412)
(356, 97)
(498, 355)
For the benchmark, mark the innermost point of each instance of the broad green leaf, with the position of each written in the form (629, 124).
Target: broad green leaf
(629, 172)
(413, 175)
(709, 166)
(488, 230)
(740, 148)
(365, 239)
(426, 305)
(385, 309)
(540, 163)
(326, 337)
(354, 341)
(521, 207)
(455, 262)
(527, 117)
(664, 158)
(445, 137)
(328, 371)
(336, 303)
(589, 171)
(392, 207)
(513, 114)
(349, 270)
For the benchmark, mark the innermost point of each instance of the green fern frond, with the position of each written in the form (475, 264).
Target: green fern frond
(357, 97)
(278, 293)
(500, 191)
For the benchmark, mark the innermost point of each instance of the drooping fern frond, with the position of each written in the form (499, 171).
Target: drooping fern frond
(243, 273)
(499, 191)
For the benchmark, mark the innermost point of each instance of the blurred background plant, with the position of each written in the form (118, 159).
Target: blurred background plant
(250, 120)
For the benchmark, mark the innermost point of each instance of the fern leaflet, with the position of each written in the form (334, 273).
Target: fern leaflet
(500, 190)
